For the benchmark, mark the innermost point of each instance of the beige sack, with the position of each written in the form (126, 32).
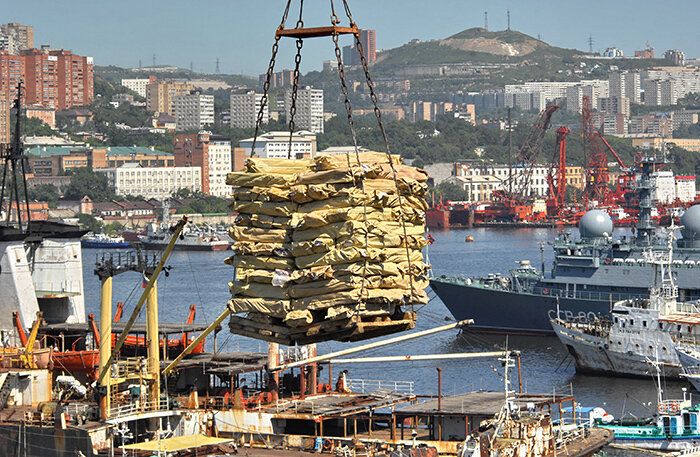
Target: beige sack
(330, 162)
(257, 290)
(261, 249)
(278, 166)
(258, 235)
(242, 179)
(271, 307)
(298, 318)
(266, 263)
(262, 221)
(275, 209)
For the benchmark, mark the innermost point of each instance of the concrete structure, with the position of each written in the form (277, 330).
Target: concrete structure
(220, 164)
(685, 80)
(675, 56)
(390, 112)
(575, 177)
(160, 95)
(685, 188)
(309, 109)
(11, 71)
(684, 117)
(138, 85)
(479, 188)
(368, 40)
(15, 37)
(341, 150)
(660, 93)
(593, 89)
(278, 79)
(538, 178)
(194, 111)
(664, 187)
(211, 154)
(45, 115)
(690, 144)
(53, 161)
(614, 105)
(5, 105)
(625, 84)
(275, 145)
(245, 109)
(159, 183)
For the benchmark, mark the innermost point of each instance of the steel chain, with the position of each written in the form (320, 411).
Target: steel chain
(295, 83)
(351, 123)
(268, 76)
(378, 114)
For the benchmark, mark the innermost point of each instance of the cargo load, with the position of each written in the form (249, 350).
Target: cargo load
(327, 248)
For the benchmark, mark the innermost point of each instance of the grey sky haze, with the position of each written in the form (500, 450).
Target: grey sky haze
(240, 32)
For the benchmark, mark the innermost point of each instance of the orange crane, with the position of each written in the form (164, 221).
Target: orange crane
(556, 178)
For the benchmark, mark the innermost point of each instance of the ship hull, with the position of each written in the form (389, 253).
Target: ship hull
(503, 311)
(187, 247)
(101, 245)
(593, 355)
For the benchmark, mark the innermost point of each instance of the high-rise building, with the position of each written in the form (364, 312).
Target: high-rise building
(625, 84)
(659, 93)
(279, 79)
(11, 71)
(5, 105)
(675, 56)
(275, 145)
(614, 105)
(160, 95)
(41, 78)
(309, 109)
(245, 109)
(137, 85)
(194, 111)
(368, 38)
(15, 37)
(211, 154)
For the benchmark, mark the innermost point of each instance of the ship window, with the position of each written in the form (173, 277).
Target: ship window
(663, 349)
(679, 327)
(615, 319)
(644, 323)
(623, 325)
(631, 321)
(661, 325)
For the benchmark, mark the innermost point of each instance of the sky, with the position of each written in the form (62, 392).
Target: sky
(240, 33)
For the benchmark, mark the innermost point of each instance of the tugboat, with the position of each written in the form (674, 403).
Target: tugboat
(587, 276)
(641, 329)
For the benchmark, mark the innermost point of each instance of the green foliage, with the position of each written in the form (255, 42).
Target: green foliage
(448, 191)
(44, 193)
(126, 113)
(206, 204)
(687, 131)
(84, 182)
(684, 162)
(113, 227)
(89, 222)
(30, 126)
(572, 195)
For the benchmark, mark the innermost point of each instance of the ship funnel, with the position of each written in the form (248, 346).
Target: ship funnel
(595, 224)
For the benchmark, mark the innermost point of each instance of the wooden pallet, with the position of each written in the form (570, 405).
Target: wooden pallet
(357, 328)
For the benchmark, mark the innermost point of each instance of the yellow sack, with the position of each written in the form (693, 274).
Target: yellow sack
(258, 235)
(242, 179)
(261, 249)
(262, 221)
(257, 290)
(330, 162)
(270, 307)
(278, 166)
(265, 263)
(264, 194)
(275, 209)
(336, 257)
(298, 318)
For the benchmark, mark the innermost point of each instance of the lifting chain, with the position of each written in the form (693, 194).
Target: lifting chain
(295, 83)
(348, 108)
(268, 76)
(378, 114)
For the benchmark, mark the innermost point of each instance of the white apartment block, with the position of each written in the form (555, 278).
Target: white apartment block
(479, 188)
(526, 100)
(137, 85)
(245, 109)
(275, 145)
(309, 109)
(538, 178)
(664, 187)
(194, 111)
(152, 182)
(685, 80)
(219, 166)
(594, 89)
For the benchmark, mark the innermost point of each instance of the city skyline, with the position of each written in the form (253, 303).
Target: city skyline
(240, 34)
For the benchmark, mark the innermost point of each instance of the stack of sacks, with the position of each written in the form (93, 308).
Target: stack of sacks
(323, 240)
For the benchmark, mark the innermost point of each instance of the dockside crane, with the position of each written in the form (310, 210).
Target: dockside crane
(514, 202)
(556, 178)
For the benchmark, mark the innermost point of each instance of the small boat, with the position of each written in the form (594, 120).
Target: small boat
(469, 239)
(103, 241)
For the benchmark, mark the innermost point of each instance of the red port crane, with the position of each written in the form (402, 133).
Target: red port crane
(556, 178)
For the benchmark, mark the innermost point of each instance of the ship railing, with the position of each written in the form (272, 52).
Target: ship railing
(371, 385)
(691, 370)
(690, 450)
(138, 407)
(565, 436)
(59, 287)
(285, 406)
(580, 294)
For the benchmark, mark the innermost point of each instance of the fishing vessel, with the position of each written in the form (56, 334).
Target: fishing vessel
(674, 427)
(641, 329)
(103, 241)
(588, 274)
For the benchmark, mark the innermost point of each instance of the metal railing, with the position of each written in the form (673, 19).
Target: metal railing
(562, 437)
(58, 287)
(370, 385)
(138, 407)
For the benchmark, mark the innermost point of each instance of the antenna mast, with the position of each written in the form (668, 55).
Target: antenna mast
(486, 20)
(508, 13)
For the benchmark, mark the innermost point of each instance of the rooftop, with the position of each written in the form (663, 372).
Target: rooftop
(279, 136)
(47, 151)
(478, 404)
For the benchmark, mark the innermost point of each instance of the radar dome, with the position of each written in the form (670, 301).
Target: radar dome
(691, 223)
(595, 224)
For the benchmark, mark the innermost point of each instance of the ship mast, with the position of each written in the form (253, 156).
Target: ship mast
(645, 188)
(663, 293)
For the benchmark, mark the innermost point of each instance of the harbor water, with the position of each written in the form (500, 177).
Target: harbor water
(201, 278)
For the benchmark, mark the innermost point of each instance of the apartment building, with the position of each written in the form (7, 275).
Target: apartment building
(245, 109)
(160, 95)
(538, 177)
(309, 109)
(194, 111)
(212, 154)
(44, 114)
(275, 145)
(138, 85)
(614, 105)
(685, 188)
(660, 92)
(148, 182)
(625, 84)
(15, 37)
(5, 105)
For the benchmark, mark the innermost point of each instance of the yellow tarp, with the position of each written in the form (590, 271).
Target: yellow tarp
(178, 443)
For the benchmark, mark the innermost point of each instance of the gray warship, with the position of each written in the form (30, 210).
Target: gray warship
(588, 274)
